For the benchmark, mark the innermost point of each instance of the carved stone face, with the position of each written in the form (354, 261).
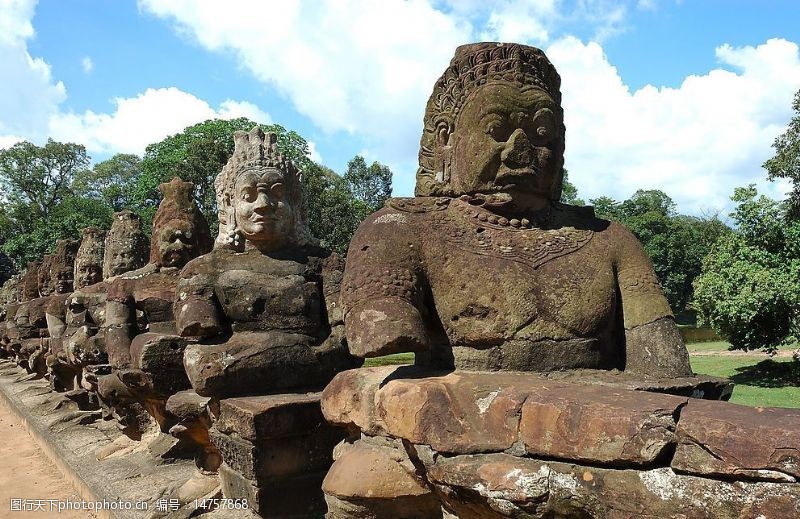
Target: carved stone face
(176, 243)
(506, 139)
(88, 273)
(45, 281)
(64, 281)
(263, 212)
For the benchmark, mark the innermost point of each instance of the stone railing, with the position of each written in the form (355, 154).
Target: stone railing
(485, 445)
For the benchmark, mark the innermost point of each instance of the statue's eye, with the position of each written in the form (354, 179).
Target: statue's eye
(544, 126)
(276, 191)
(497, 128)
(249, 194)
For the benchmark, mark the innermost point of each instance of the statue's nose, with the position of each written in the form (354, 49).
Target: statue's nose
(518, 151)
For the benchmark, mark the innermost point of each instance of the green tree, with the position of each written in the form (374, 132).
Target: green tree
(112, 181)
(749, 289)
(786, 161)
(40, 177)
(371, 185)
(569, 193)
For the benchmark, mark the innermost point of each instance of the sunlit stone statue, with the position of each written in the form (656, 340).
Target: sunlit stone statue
(485, 269)
(257, 302)
(125, 247)
(55, 283)
(262, 312)
(143, 347)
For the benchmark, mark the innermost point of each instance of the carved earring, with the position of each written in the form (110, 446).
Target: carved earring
(445, 152)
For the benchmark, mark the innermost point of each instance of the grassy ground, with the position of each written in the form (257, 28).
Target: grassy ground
(760, 381)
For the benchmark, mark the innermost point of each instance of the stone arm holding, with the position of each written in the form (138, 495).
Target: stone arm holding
(382, 290)
(653, 344)
(197, 311)
(120, 323)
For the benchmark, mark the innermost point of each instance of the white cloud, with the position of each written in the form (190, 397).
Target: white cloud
(28, 93)
(356, 66)
(87, 64)
(696, 142)
(144, 119)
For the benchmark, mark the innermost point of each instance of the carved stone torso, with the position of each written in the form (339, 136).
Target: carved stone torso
(260, 292)
(511, 290)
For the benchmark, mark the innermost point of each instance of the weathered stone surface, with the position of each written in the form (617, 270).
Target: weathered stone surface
(126, 245)
(258, 418)
(617, 427)
(466, 412)
(485, 269)
(273, 459)
(257, 302)
(377, 481)
(286, 498)
(499, 485)
(738, 441)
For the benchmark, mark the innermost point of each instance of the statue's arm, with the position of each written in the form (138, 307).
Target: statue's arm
(653, 344)
(382, 290)
(120, 323)
(197, 312)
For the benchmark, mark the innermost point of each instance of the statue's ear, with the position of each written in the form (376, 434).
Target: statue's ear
(444, 128)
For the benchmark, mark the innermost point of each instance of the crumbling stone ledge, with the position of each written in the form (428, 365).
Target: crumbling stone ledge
(488, 444)
(143, 472)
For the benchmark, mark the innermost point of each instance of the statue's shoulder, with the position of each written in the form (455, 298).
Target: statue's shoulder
(580, 217)
(417, 205)
(206, 264)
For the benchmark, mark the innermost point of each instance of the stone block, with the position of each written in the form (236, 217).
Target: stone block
(738, 441)
(608, 426)
(298, 497)
(257, 418)
(278, 457)
(499, 485)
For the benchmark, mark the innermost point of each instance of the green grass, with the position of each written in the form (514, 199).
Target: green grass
(390, 360)
(759, 382)
(708, 346)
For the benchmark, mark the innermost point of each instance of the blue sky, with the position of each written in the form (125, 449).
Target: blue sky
(686, 96)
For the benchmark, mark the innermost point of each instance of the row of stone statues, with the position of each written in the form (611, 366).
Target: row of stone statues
(484, 270)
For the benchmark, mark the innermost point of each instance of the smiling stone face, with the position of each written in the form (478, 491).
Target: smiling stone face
(263, 212)
(506, 139)
(126, 245)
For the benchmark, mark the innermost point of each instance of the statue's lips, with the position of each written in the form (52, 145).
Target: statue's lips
(507, 177)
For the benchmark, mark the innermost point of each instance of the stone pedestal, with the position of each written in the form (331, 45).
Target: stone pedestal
(276, 451)
(512, 444)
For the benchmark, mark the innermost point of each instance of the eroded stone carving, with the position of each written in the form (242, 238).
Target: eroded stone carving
(485, 269)
(125, 247)
(141, 339)
(258, 301)
(262, 312)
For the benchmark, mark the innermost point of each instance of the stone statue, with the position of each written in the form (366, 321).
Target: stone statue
(485, 269)
(257, 302)
(9, 293)
(55, 279)
(126, 248)
(67, 319)
(145, 352)
(266, 331)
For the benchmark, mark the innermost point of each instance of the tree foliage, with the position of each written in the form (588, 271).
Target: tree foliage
(786, 161)
(569, 193)
(40, 177)
(749, 290)
(111, 181)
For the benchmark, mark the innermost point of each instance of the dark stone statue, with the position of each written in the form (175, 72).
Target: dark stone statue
(143, 347)
(485, 269)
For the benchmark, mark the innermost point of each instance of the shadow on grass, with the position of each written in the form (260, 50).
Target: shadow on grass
(769, 373)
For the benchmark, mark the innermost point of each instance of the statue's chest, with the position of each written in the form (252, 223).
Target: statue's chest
(282, 299)
(481, 296)
(155, 295)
